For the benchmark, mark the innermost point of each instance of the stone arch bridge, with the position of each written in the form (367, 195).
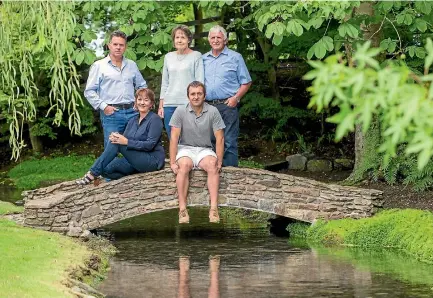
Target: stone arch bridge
(72, 209)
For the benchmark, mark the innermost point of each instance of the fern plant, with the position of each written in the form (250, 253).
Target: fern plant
(399, 169)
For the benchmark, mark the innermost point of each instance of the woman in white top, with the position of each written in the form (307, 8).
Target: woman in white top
(181, 67)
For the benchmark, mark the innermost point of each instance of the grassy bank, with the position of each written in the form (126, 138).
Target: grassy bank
(8, 208)
(36, 263)
(30, 173)
(408, 230)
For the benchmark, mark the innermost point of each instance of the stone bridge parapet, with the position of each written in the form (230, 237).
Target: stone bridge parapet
(72, 209)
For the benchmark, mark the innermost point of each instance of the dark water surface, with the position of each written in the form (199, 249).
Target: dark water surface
(159, 258)
(8, 192)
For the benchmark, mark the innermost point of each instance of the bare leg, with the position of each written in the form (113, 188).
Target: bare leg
(183, 290)
(209, 164)
(214, 264)
(182, 182)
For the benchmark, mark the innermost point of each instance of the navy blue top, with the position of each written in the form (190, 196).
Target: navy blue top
(146, 136)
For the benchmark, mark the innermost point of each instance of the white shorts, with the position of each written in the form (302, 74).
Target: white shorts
(196, 154)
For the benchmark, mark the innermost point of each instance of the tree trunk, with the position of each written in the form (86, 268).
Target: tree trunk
(372, 33)
(35, 141)
(272, 66)
(200, 43)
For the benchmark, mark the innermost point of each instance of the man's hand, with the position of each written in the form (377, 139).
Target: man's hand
(219, 165)
(117, 138)
(174, 167)
(232, 101)
(109, 110)
(161, 112)
(161, 108)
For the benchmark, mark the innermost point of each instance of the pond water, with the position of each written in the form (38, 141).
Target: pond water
(8, 192)
(159, 258)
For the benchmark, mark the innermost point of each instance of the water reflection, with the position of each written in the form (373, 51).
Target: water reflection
(239, 263)
(184, 278)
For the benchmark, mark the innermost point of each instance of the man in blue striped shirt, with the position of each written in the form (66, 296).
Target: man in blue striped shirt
(227, 79)
(111, 86)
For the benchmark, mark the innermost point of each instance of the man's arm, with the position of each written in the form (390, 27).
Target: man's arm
(244, 80)
(92, 88)
(174, 140)
(139, 82)
(219, 147)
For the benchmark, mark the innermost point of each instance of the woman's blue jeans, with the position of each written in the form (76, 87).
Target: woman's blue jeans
(110, 166)
(115, 122)
(168, 113)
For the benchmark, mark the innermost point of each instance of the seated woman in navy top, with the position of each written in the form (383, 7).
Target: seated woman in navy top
(140, 145)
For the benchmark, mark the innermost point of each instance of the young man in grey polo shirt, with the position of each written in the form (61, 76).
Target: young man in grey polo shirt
(190, 147)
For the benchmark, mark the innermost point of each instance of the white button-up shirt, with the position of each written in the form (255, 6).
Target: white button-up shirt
(108, 84)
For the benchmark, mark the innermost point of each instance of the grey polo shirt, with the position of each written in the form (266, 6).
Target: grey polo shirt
(196, 130)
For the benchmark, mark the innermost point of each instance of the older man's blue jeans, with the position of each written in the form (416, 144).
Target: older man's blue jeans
(115, 122)
(110, 166)
(231, 133)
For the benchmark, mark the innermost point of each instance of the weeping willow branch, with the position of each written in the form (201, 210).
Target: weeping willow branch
(37, 36)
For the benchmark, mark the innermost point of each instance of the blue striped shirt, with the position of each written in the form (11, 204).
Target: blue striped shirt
(108, 84)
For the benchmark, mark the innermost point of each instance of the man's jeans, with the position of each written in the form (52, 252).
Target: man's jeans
(168, 113)
(115, 122)
(133, 161)
(231, 133)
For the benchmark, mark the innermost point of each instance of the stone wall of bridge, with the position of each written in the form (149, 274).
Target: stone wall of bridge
(72, 209)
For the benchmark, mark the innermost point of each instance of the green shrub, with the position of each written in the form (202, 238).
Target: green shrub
(298, 229)
(409, 230)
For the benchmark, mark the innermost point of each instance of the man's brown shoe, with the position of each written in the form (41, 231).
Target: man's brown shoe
(214, 216)
(183, 216)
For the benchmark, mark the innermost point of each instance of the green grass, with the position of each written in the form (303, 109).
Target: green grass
(245, 163)
(30, 173)
(8, 208)
(34, 263)
(408, 230)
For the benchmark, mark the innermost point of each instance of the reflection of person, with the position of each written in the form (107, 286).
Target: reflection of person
(111, 86)
(214, 267)
(190, 147)
(183, 290)
(140, 145)
(227, 80)
(181, 67)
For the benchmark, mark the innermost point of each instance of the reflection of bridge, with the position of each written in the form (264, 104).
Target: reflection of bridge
(69, 208)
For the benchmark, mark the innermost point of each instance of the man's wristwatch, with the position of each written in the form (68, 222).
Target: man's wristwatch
(237, 98)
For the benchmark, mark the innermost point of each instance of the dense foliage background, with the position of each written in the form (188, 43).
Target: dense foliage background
(367, 85)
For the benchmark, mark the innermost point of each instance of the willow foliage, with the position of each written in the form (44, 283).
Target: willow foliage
(36, 37)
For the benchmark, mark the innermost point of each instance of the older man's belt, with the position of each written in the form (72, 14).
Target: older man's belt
(122, 106)
(216, 101)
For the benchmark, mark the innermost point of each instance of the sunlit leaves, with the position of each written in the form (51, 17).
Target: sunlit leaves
(421, 25)
(294, 26)
(319, 49)
(388, 45)
(348, 29)
(423, 6)
(429, 58)
(79, 57)
(88, 36)
(403, 106)
(405, 17)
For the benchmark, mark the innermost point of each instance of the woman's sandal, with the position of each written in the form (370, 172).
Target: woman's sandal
(87, 179)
